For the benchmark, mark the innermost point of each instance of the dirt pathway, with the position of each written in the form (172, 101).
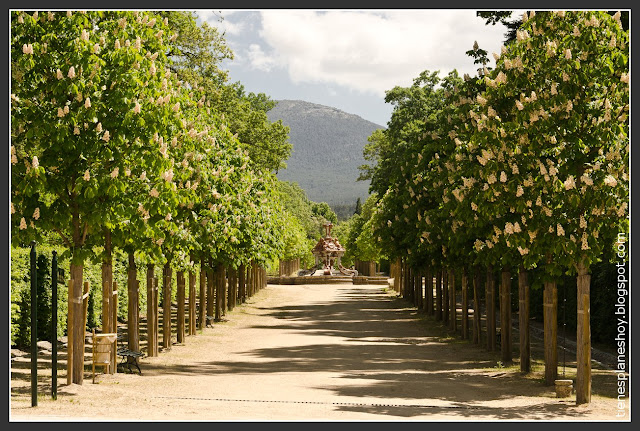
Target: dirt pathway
(316, 352)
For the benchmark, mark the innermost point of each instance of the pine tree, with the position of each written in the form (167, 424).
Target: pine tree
(358, 207)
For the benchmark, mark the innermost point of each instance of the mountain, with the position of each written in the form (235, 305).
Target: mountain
(327, 150)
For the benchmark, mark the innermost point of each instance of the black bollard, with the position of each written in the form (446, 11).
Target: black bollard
(54, 326)
(34, 328)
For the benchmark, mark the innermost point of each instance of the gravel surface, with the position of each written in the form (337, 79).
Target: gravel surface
(337, 352)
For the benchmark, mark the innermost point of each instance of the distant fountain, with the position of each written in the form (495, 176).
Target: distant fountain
(329, 251)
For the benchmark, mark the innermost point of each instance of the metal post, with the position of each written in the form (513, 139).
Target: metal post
(34, 328)
(54, 325)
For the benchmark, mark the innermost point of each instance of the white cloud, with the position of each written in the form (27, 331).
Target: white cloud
(371, 51)
(259, 60)
(218, 18)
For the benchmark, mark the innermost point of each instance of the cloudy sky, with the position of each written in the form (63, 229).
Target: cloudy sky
(348, 58)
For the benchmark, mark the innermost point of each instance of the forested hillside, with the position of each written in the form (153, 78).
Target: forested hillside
(327, 150)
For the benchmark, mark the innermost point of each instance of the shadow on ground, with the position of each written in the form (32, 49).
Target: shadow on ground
(388, 353)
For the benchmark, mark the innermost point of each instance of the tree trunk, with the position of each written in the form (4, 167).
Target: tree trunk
(192, 298)
(230, 294)
(166, 306)
(181, 299)
(203, 295)
(465, 304)
(223, 291)
(152, 341)
(445, 296)
(242, 281)
(550, 316)
(108, 324)
(523, 317)
(251, 275)
(210, 290)
(583, 340)
(409, 285)
(477, 330)
(439, 295)
(505, 316)
(453, 322)
(156, 314)
(77, 327)
(491, 309)
(133, 331)
(219, 277)
(428, 290)
(114, 320)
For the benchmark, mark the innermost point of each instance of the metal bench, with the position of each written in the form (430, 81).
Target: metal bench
(209, 321)
(126, 354)
(129, 357)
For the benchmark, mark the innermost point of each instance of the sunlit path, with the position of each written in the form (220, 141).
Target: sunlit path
(296, 352)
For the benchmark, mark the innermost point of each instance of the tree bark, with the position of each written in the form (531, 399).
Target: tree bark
(250, 279)
(231, 300)
(445, 296)
(428, 290)
(505, 316)
(477, 330)
(203, 294)
(453, 323)
(523, 317)
(219, 290)
(181, 299)
(242, 281)
(70, 323)
(77, 328)
(152, 341)
(114, 320)
(550, 316)
(108, 324)
(210, 289)
(192, 298)
(133, 331)
(223, 291)
(166, 306)
(583, 340)
(491, 309)
(465, 304)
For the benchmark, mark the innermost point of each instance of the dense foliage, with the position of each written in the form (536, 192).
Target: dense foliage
(119, 146)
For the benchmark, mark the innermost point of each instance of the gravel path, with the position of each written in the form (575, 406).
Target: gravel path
(337, 352)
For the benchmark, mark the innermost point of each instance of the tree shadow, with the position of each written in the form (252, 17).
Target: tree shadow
(388, 353)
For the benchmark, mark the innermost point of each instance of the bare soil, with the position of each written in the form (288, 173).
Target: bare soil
(337, 352)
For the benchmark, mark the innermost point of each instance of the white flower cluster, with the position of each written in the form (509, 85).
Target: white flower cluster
(569, 183)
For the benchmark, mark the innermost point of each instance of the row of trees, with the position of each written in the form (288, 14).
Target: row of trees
(126, 134)
(523, 166)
